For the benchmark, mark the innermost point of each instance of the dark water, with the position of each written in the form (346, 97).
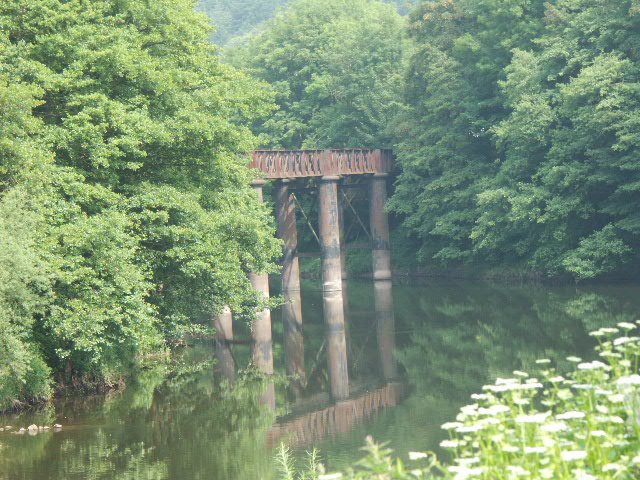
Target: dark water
(183, 422)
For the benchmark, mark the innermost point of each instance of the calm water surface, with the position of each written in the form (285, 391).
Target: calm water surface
(185, 423)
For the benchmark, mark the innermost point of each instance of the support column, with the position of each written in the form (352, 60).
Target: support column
(385, 328)
(262, 349)
(379, 227)
(223, 325)
(332, 287)
(292, 308)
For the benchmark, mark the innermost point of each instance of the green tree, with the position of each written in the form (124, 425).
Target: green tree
(126, 138)
(444, 142)
(335, 67)
(566, 195)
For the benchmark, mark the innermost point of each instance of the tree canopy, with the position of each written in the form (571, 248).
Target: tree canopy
(517, 145)
(125, 191)
(334, 66)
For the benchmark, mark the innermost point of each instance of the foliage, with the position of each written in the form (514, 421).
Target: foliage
(123, 177)
(444, 145)
(334, 66)
(516, 146)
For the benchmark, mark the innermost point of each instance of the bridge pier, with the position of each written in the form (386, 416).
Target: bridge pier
(379, 222)
(382, 284)
(292, 308)
(262, 348)
(223, 324)
(332, 287)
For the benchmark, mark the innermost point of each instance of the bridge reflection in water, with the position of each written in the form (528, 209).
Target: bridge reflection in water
(313, 413)
(305, 430)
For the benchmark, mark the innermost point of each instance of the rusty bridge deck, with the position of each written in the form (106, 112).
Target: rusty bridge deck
(282, 164)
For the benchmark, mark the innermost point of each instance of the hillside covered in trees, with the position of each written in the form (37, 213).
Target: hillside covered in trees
(515, 122)
(126, 216)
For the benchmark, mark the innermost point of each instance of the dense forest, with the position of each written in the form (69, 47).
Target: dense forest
(126, 216)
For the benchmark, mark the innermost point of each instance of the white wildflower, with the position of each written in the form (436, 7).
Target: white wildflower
(546, 473)
(599, 391)
(462, 473)
(582, 475)
(627, 326)
(517, 471)
(450, 444)
(480, 396)
(554, 427)
(573, 415)
(573, 455)
(417, 455)
(535, 418)
(609, 330)
(494, 410)
(630, 380)
(612, 467)
(534, 450)
(617, 398)
(469, 428)
(598, 433)
(624, 340)
(519, 373)
(574, 359)
(451, 425)
(556, 379)
(510, 449)
(543, 361)
(595, 365)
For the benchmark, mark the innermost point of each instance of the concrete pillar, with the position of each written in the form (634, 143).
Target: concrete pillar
(385, 327)
(332, 287)
(262, 349)
(292, 308)
(223, 325)
(379, 222)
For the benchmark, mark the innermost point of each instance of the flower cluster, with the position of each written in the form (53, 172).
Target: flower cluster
(582, 425)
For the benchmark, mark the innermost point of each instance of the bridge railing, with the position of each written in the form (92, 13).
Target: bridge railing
(318, 163)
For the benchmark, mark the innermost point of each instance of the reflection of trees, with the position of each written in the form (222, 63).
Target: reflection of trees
(184, 428)
(459, 338)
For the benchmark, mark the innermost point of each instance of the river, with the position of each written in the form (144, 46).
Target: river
(184, 422)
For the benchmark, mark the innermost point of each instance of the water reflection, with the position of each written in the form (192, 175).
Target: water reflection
(444, 341)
